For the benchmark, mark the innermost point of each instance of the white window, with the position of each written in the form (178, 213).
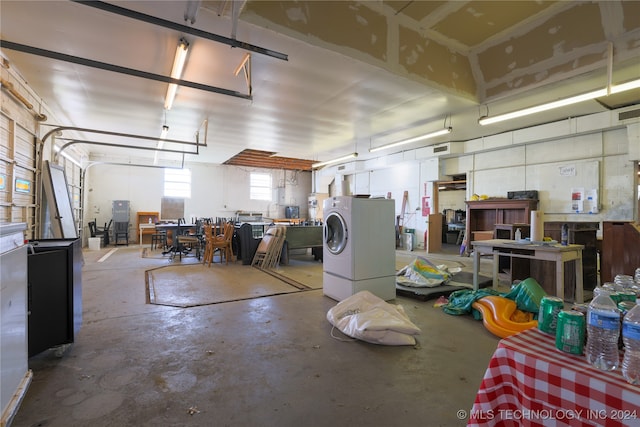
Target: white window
(177, 183)
(260, 186)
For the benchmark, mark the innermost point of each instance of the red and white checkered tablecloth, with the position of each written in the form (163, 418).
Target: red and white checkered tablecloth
(531, 383)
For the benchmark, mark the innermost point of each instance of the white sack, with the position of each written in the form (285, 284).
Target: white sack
(369, 318)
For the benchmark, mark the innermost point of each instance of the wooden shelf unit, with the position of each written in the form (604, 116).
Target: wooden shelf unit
(143, 218)
(483, 215)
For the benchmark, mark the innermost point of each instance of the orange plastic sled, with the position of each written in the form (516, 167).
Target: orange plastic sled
(501, 316)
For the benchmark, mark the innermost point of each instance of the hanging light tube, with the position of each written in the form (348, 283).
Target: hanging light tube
(176, 72)
(163, 136)
(634, 84)
(67, 156)
(414, 139)
(339, 159)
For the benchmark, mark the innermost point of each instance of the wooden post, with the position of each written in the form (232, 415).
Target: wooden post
(434, 223)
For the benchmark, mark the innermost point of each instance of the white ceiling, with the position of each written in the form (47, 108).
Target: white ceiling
(321, 102)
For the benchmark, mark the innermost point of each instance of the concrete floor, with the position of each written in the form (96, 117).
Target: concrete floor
(269, 361)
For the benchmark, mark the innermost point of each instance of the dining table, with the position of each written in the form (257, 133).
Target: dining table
(173, 229)
(529, 382)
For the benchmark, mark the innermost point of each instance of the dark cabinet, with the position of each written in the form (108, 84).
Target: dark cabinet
(54, 271)
(580, 233)
(620, 249)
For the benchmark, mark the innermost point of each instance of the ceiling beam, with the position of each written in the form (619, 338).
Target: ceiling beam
(6, 44)
(182, 28)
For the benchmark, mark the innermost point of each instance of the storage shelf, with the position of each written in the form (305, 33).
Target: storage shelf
(143, 218)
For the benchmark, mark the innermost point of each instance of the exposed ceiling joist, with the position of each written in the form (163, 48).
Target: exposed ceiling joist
(267, 159)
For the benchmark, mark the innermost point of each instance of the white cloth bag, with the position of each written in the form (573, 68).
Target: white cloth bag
(369, 318)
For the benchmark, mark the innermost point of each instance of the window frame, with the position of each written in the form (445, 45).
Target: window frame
(175, 187)
(260, 190)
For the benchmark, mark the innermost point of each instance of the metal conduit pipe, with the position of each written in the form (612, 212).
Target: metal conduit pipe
(125, 135)
(113, 144)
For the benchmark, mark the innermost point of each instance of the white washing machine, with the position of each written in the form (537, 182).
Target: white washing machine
(359, 247)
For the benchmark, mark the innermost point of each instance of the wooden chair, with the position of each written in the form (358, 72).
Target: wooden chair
(208, 243)
(220, 243)
(190, 241)
(159, 239)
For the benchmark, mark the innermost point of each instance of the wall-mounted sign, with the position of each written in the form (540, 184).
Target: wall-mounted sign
(23, 186)
(3, 182)
(567, 170)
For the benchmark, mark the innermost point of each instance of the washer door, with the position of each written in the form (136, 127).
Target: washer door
(335, 233)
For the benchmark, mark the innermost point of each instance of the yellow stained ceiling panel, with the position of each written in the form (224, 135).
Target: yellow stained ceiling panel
(534, 78)
(631, 10)
(435, 62)
(345, 24)
(479, 20)
(551, 40)
(416, 10)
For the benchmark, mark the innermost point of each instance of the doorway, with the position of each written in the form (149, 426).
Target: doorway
(451, 202)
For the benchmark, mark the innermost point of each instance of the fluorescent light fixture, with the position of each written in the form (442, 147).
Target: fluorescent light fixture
(163, 136)
(67, 156)
(414, 139)
(623, 87)
(339, 159)
(634, 84)
(176, 72)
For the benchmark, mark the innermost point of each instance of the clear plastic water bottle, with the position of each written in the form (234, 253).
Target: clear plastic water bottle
(564, 235)
(624, 281)
(603, 331)
(631, 339)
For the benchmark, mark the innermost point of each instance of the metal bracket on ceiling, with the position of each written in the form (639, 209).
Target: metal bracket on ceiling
(191, 11)
(235, 15)
(609, 67)
(245, 65)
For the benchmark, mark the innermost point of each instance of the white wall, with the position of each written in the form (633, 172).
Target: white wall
(217, 191)
(513, 161)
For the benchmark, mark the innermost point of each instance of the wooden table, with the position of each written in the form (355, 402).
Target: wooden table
(510, 248)
(531, 383)
(145, 227)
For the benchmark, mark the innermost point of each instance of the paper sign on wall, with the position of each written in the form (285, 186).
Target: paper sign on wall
(577, 200)
(584, 201)
(591, 202)
(426, 209)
